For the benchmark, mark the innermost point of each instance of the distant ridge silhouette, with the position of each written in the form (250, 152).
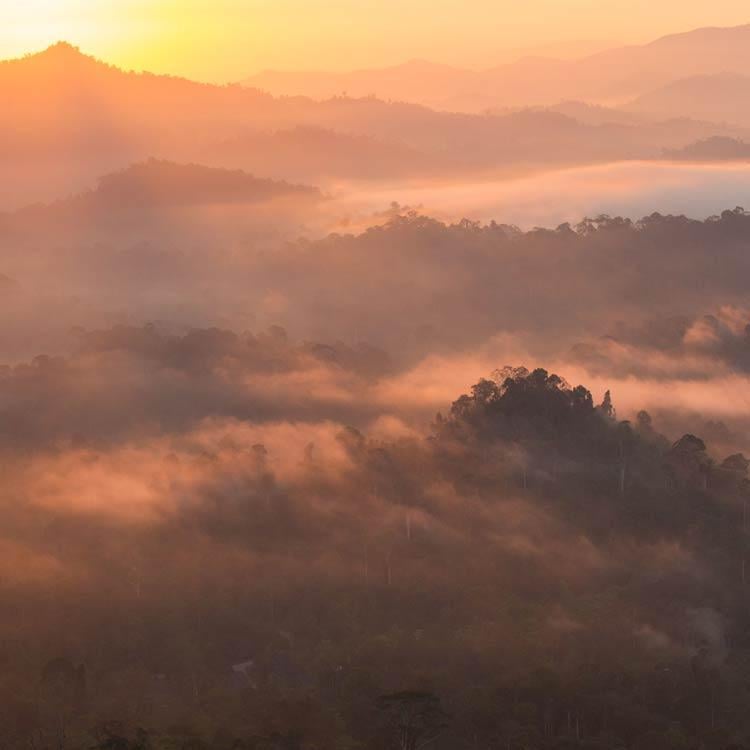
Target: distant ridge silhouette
(75, 117)
(156, 184)
(612, 75)
(722, 97)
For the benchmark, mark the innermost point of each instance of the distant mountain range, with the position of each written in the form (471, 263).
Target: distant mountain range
(612, 76)
(721, 97)
(309, 152)
(74, 118)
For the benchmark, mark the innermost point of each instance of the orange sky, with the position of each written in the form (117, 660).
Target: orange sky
(228, 39)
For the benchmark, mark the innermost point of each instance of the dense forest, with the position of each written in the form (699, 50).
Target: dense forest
(244, 504)
(534, 573)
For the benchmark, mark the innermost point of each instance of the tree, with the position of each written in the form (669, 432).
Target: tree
(688, 462)
(606, 408)
(415, 718)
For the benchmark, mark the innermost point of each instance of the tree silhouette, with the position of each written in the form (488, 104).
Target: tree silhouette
(415, 718)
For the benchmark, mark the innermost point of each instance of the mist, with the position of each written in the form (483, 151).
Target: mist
(409, 418)
(550, 198)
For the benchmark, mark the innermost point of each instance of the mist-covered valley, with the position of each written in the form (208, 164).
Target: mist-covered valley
(369, 422)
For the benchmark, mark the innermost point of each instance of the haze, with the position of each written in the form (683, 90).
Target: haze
(374, 376)
(228, 39)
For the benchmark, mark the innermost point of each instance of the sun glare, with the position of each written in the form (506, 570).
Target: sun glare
(32, 26)
(107, 29)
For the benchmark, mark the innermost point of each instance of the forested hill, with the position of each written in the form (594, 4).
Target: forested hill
(534, 574)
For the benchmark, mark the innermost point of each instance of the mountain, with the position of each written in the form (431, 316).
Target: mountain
(614, 75)
(717, 148)
(408, 139)
(596, 114)
(70, 103)
(75, 118)
(422, 81)
(164, 184)
(155, 186)
(617, 75)
(722, 97)
(414, 81)
(308, 152)
(56, 85)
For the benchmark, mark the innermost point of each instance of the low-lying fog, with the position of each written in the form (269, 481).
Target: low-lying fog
(546, 199)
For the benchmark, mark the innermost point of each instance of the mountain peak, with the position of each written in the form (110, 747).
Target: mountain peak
(62, 48)
(66, 52)
(62, 55)
(705, 34)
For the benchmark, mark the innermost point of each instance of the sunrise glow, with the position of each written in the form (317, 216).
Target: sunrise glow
(226, 39)
(374, 375)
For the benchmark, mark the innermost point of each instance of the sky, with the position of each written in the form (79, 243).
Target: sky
(225, 40)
